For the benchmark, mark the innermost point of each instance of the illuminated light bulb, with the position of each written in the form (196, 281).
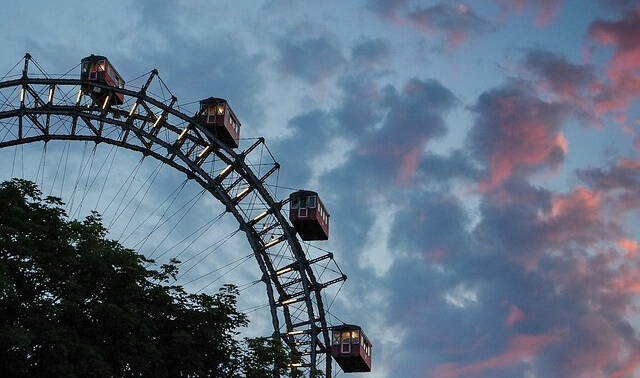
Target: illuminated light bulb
(259, 217)
(133, 109)
(157, 122)
(183, 133)
(284, 270)
(290, 300)
(106, 102)
(242, 193)
(274, 242)
(204, 151)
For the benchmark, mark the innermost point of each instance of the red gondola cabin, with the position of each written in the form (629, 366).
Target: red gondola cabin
(351, 349)
(216, 114)
(308, 215)
(97, 68)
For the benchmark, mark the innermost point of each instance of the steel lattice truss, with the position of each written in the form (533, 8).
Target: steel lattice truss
(42, 108)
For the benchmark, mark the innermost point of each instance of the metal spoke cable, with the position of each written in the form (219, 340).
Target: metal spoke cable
(224, 267)
(77, 181)
(110, 166)
(35, 63)
(57, 171)
(161, 220)
(252, 309)
(185, 213)
(21, 61)
(89, 173)
(124, 193)
(148, 183)
(229, 271)
(213, 248)
(199, 231)
(42, 164)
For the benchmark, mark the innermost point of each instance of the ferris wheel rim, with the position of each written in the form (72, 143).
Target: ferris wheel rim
(317, 323)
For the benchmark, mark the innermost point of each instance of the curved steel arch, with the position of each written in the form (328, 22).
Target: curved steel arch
(42, 109)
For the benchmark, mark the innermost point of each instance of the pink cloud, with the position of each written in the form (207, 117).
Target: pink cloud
(602, 347)
(409, 164)
(631, 366)
(619, 184)
(624, 67)
(561, 80)
(436, 255)
(455, 24)
(573, 215)
(520, 348)
(546, 10)
(629, 246)
(536, 148)
(628, 279)
(515, 315)
(405, 159)
(517, 132)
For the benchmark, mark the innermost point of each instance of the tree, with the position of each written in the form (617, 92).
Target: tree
(75, 304)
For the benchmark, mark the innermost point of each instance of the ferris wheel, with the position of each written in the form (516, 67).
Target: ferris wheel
(94, 107)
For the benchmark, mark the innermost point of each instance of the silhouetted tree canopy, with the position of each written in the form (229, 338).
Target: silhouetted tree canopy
(75, 304)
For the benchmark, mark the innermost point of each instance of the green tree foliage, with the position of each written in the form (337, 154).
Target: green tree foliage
(74, 304)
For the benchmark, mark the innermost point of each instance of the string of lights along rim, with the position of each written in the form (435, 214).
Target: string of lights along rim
(92, 105)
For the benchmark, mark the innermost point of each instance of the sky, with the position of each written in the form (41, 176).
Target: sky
(480, 159)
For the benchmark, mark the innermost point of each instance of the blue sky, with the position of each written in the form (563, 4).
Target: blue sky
(480, 159)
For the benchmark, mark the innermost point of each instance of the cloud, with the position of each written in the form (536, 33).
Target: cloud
(619, 184)
(619, 4)
(361, 108)
(546, 10)
(412, 118)
(387, 8)
(520, 348)
(454, 24)
(311, 137)
(624, 68)
(370, 53)
(554, 74)
(312, 59)
(515, 315)
(516, 133)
